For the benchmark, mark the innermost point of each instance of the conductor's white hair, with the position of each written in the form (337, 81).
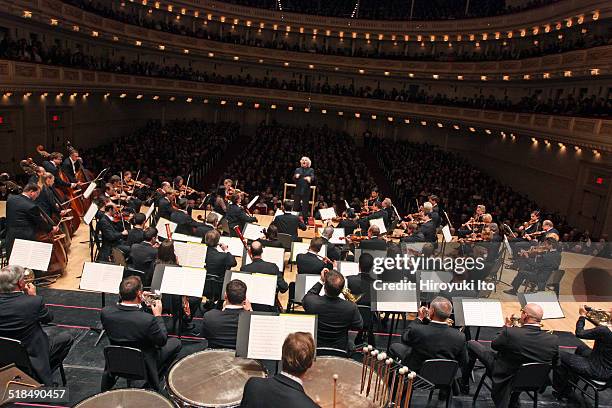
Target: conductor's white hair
(306, 159)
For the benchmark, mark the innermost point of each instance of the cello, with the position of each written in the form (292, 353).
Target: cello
(59, 257)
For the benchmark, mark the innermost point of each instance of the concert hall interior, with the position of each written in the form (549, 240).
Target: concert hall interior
(255, 203)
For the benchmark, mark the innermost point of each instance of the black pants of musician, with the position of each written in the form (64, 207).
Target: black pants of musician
(301, 203)
(165, 357)
(572, 365)
(60, 342)
(540, 277)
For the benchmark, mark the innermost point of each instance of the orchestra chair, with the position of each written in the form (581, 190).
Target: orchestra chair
(332, 352)
(589, 384)
(118, 256)
(554, 281)
(125, 362)
(286, 240)
(14, 352)
(441, 373)
(530, 378)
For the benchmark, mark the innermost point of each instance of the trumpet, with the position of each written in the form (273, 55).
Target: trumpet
(598, 317)
(149, 298)
(348, 295)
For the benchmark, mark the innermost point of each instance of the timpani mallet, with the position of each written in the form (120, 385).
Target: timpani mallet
(400, 385)
(411, 377)
(335, 386)
(385, 386)
(373, 360)
(364, 363)
(381, 358)
(389, 397)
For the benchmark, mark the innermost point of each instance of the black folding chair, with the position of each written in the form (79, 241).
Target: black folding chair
(128, 363)
(14, 352)
(441, 373)
(286, 240)
(589, 384)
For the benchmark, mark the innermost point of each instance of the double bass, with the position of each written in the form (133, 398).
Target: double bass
(59, 256)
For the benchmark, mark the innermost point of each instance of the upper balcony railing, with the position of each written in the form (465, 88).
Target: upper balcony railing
(26, 77)
(594, 61)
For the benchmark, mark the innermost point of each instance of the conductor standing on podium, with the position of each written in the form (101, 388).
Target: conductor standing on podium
(304, 176)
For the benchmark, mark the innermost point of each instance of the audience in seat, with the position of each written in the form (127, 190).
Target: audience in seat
(220, 327)
(22, 312)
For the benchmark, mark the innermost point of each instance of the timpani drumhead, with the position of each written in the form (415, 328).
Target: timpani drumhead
(319, 383)
(125, 398)
(211, 378)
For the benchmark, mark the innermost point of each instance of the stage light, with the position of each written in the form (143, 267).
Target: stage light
(27, 14)
(411, 75)
(472, 129)
(289, 108)
(387, 73)
(44, 95)
(567, 74)
(75, 28)
(340, 113)
(311, 66)
(361, 71)
(307, 109)
(286, 64)
(94, 34)
(373, 117)
(561, 146)
(456, 127)
(483, 77)
(460, 77)
(54, 22)
(186, 51)
(156, 97)
(423, 123)
(546, 75)
(189, 100)
(357, 114)
(205, 101)
(106, 95)
(236, 58)
(27, 94)
(162, 47)
(390, 118)
(436, 76)
(138, 43)
(407, 121)
(506, 77)
(526, 77)
(211, 54)
(595, 71)
(223, 102)
(239, 103)
(139, 96)
(324, 111)
(487, 131)
(272, 106)
(172, 99)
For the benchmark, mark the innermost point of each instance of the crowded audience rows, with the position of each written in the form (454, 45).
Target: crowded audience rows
(35, 51)
(552, 43)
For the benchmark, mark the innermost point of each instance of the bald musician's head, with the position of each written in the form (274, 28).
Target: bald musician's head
(532, 313)
(256, 249)
(328, 232)
(440, 309)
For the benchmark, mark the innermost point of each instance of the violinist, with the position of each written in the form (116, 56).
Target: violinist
(377, 212)
(185, 224)
(374, 241)
(225, 193)
(349, 222)
(428, 227)
(136, 233)
(473, 224)
(71, 166)
(412, 233)
(311, 262)
(270, 238)
(142, 255)
(164, 203)
(108, 232)
(24, 218)
(374, 199)
(53, 166)
(236, 216)
(539, 268)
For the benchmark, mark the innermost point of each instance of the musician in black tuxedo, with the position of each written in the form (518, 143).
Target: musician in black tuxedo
(185, 224)
(433, 215)
(211, 223)
(236, 216)
(271, 237)
(361, 284)
(430, 337)
(127, 325)
(513, 347)
(71, 166)
(349, 223)
(284, 389)
(333, 252)
(428, 229)
(21, 314)
(136, 233)
(53, 166)
(595, 363)
(539, 268)
(304, 177)
(108, 233)
(220, 327)
(377, 212)
(374, 242)
(260, 266)
(217, 262)
(142, 255)
(288, 223)
(24, 218)
(164, 206)
(47, 199)
(311, 262)
(336, 316)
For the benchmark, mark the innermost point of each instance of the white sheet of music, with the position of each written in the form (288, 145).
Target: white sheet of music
(407, 307)
(183, 281)
(507, 244)
(252, 231)
(190, 254)
(90, 188)
(483, 312)
(348, 268)
(448, 237)
(302, 247)
(261, 287)
(337, 237)
(90, 214)
(100, 277)
(161, 227)
(234, 244)
(31, 254)
(150, 211)
(380, 223)
(253, 201)
(327, 213)
(268, 333)
(549, 303)
(271, 254)
(185, 238)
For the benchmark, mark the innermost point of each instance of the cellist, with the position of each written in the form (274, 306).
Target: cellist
(53, 166)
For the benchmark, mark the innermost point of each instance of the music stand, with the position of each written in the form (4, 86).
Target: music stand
(312, 202)
(393, 302)
(474, 312)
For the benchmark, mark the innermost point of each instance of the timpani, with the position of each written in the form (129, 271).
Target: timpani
(125, 398)
(211, 379)
(319, 383)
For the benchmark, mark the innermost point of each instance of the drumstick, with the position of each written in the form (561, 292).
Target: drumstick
(385, 387)
(381, 357)
(364, 363)
(373, 360)
(389, 396)
(411, 377)
(400, 385)
(335, 386)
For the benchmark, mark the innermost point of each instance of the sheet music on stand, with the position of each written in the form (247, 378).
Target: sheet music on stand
(185, 238)
(337, 237)
(90, 214)
(261, 287)
(31, 254)
(150, 211)
(380, 223)
(253, 201)
(253, 232)
(327, 213)
(478, 312)
(90, 188)
(448, 237)
(234, 245)
(547, 300)
(507, 244)
(190, 254)
(394, 300)
(161, 227)
(101, 277)
(270, 254)
(183, 281)
(261, 335)
(348, 268)
(304, 282)
(302, 247)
